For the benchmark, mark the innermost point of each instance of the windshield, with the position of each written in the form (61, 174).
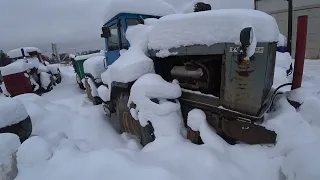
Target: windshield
(132, 22)
(129, 22)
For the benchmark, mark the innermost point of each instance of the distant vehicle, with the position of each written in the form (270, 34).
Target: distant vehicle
(14, 118)
(93, 68)
(77, 63)
(28, 73)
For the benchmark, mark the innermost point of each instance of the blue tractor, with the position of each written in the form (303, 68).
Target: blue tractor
(114, 33)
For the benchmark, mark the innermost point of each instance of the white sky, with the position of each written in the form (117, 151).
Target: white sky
(68, 23)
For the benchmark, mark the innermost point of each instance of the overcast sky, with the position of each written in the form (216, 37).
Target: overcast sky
(68, 23)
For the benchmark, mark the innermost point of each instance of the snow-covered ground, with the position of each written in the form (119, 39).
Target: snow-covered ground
(74, 140)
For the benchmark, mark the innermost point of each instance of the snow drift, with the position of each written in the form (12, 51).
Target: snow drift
(95, 67)
(11, 112)
(165, 116)
(9, 144)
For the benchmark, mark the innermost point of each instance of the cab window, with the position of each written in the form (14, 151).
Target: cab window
(129, 22)
(113, 39)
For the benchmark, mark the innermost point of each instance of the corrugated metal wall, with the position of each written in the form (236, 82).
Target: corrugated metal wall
(281, 15)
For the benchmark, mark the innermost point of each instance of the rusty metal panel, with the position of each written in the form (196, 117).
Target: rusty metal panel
(193, 50)
(270, 70)
(244, 83)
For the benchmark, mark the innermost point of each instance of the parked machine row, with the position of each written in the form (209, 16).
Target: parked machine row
(232, 87)
(28, 73)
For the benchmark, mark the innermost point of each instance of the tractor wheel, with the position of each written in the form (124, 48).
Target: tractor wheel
(49, 87)
(88, 91)
(147, 134)
(81, 86)
(58, 76)
(22, 129)
(128, 124)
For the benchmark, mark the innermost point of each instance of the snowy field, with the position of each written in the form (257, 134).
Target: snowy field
(72, 139)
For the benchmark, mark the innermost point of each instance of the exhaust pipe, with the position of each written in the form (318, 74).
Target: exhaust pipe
(22, 52)
(300, 51)
(181, 71)
(294, 96)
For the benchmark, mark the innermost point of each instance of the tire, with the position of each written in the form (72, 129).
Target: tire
(147, 134)
(81, 86)
(95, 100)
(58, 76)
(53, 82)
(22, 129)
(128, 124)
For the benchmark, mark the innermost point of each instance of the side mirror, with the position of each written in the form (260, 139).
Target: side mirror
(141, 20)
(105, 32)
(246, 37)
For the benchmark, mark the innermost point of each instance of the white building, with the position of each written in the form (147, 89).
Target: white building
(278, 9)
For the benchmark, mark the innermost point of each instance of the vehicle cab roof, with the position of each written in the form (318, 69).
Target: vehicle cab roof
(142, 7)
(16, 53)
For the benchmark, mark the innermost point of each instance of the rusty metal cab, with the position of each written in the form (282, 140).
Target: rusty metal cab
(233, 95)
(17, 84)
(27, 73)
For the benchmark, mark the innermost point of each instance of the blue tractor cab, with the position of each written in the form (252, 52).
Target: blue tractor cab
(114, 33)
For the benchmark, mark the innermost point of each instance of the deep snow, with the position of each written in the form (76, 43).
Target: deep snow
(83, 144)
(11, 112)
(211, 27)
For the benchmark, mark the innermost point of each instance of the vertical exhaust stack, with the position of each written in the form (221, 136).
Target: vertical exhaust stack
(200, 6)
(22, 52)
(296, 97)
(300, 51)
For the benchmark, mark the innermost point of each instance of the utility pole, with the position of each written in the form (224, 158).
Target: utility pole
(255, 4)
(289, 38)
(55, 52)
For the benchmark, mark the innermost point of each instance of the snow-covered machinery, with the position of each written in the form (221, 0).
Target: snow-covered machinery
(93, 68)
(78, 63)
(230, 81)
(14, 118)
(223, 60)
(28, 73)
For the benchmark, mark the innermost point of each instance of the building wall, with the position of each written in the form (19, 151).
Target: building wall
(278, 9)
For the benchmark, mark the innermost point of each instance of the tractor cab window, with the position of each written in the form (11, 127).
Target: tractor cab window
(113, 43)
(132, 22)
(124, 41)
(129, 22)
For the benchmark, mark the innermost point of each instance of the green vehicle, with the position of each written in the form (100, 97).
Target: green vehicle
(79, 70)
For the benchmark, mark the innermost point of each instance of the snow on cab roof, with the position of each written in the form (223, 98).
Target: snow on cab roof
(215, 4)
(147, 7)
(16, 67)
(211, 27)
(16, 53)
(84, 57)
